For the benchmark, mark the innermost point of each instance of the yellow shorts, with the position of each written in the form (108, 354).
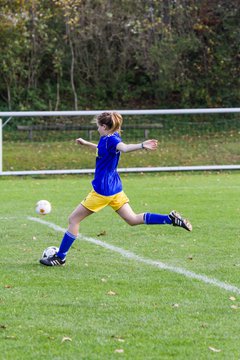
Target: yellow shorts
(95, 202)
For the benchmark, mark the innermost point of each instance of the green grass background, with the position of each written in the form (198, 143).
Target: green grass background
(68, 313)
(183, 150)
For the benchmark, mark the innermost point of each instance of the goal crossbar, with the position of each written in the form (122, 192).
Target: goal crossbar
(123, 112)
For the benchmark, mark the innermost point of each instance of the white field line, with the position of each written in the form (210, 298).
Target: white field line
(157, 264)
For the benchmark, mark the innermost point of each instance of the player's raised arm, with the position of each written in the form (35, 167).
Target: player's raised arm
(150, 144)
(81, 141)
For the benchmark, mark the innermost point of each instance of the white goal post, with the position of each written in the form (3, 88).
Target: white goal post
(11, 114)
(1, 156)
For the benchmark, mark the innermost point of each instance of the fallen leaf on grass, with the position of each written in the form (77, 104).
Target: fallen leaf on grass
(66, 338)
(102, 233)
(214, 350)
(232, 298)
(51, 338)
(11, 337)
(119, 351)
(111, 293)
(8, 286)
(118, 338)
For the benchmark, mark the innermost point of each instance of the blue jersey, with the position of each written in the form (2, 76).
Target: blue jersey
(106, 180)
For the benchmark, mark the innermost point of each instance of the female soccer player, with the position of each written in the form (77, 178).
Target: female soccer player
(107, 186)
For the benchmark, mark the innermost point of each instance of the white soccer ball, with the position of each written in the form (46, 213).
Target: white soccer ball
(50, 251)
(43, 207)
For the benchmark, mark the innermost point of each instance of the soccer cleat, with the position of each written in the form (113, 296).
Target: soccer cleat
(52, 261)
(177, 220)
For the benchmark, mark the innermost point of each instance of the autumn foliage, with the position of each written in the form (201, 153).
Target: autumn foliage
(80, 54)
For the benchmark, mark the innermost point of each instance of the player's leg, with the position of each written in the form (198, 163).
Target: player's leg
(173, 218)
(92, 203)
(120, 204)
(132, 218)
(127, 214)
(69, 237)
(79, 214)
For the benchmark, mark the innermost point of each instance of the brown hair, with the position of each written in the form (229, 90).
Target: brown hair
(112, 120)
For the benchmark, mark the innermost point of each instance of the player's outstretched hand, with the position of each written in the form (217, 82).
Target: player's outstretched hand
(81, 141)
(150, 144)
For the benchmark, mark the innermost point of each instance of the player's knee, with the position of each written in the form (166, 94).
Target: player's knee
(131, 221)
(71, 220)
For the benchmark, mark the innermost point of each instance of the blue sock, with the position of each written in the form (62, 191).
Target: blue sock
(66, 243)
(153, 219)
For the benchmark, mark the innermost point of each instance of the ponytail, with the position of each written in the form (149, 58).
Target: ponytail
(112, 120)
(117, 122)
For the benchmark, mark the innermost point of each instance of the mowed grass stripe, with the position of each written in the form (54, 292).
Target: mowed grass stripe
(157, 264)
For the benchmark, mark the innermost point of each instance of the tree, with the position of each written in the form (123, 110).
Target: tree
(118, 53)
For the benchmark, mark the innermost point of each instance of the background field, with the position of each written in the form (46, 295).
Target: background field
(187, 140)
(102, 305)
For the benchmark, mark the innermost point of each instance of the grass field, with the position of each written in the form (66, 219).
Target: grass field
(107, 303)
(217, 149)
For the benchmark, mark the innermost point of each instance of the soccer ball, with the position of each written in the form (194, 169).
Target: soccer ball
(50, 251)
(43, 207)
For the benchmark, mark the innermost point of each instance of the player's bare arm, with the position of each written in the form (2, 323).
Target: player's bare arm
(150, 144)
(81, 141)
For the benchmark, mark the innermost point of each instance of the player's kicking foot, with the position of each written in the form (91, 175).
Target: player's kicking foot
(52, 261)
(177, 220)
